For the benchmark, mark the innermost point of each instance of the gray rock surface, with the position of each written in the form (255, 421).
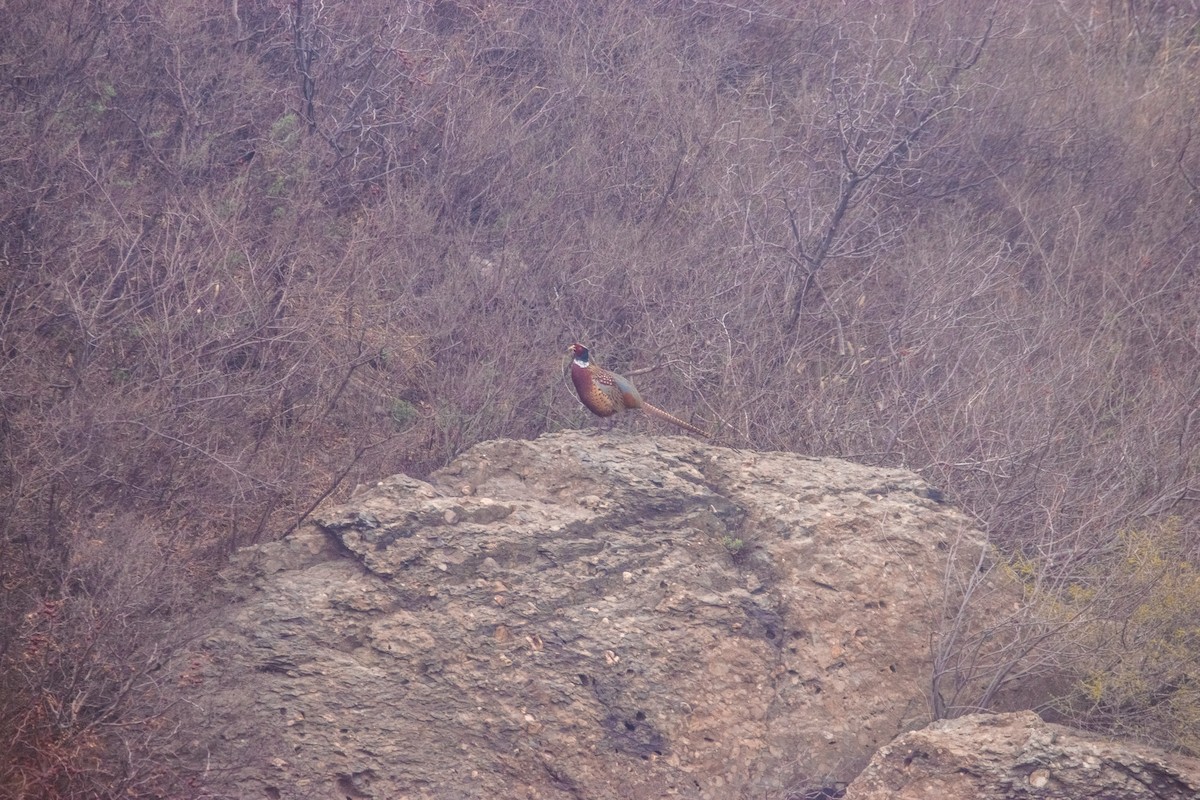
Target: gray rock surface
(1009, 756)
(580, 616)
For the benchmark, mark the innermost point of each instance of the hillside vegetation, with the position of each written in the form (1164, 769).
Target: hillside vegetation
(257, 252)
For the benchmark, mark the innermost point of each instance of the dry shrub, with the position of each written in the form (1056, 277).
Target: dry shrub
(1141, 674)
(83, 712)
(255, 255)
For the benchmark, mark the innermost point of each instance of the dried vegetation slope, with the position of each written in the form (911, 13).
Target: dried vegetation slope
(253, 254)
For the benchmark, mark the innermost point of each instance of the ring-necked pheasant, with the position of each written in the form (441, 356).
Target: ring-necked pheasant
(606, 393)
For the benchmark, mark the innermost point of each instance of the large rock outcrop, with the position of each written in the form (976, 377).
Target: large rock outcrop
(580, 616)
(1017, 756)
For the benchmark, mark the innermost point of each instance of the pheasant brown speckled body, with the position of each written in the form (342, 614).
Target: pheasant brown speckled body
(606, 393)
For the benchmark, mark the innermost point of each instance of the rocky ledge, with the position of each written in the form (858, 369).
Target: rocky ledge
(584, 616)
(1017, 756)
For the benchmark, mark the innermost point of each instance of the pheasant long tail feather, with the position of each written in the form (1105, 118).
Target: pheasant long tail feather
(658, 412)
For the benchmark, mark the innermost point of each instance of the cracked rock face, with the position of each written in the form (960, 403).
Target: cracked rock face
(1010, 756)
(581, 616)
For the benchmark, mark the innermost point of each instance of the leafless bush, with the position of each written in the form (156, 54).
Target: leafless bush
(83, 712)
(254, 255)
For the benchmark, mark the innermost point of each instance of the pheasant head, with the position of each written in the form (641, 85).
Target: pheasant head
(579, 354)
